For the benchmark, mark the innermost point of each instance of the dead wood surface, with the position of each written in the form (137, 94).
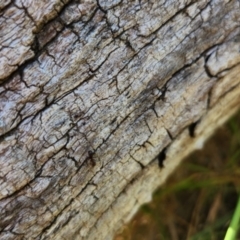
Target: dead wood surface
(95, 95)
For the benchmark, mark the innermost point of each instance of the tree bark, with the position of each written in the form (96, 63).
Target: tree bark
(100, 101)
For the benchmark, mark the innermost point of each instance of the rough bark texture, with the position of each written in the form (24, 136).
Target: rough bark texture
(100, 101)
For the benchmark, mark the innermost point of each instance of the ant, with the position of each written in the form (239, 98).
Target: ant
(90, 157)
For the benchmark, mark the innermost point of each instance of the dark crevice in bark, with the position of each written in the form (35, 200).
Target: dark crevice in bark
(114, 5)
(101, 64)
(45, 28)
(71, 25)
(101, 8)
(6, 7)
(207, 70)
(140, 164)
(12, 131)
(169, 134)
(90, 157)
(209, 98)
(26, 12)
(161, 157)
(229, 68)
(9, 78)
(149, 128)
(113, 121)
(192, 128)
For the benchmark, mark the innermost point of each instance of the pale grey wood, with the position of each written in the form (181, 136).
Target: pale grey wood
(95, 95)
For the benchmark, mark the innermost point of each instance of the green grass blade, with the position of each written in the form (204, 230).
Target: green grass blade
(233, 228)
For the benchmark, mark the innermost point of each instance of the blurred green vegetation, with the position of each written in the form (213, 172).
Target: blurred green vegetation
(198, 200)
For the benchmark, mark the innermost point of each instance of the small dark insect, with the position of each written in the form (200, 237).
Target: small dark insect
(90, 157)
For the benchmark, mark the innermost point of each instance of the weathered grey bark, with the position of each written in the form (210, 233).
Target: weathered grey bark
(95, 95)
